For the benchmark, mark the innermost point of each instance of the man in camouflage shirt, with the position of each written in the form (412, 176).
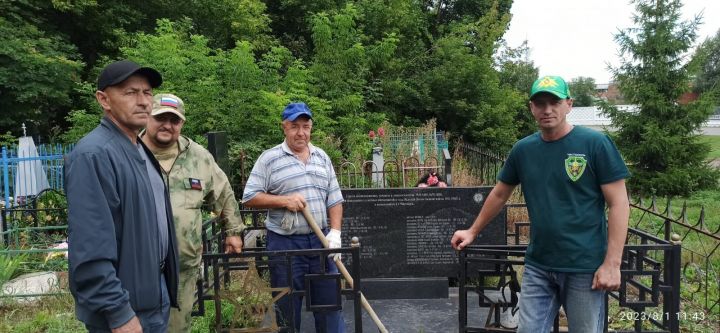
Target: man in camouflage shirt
(194, 179)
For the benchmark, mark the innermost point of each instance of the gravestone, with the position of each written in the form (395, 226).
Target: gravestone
(217, 146)
(406, 232)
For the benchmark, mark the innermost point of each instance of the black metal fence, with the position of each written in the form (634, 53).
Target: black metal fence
(473, 165)
(38, 222)
(649, 296)
(247, 271)
(33, 236)
(701, 254)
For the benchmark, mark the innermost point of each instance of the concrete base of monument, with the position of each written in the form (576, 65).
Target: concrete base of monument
(411, 315)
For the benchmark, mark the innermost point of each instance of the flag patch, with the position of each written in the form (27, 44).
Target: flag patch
(167, 101)
(195, 184)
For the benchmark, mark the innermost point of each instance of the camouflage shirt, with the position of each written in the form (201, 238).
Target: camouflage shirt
(194, 180)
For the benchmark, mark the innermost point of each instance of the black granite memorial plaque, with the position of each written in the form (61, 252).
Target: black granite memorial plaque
(406, 232)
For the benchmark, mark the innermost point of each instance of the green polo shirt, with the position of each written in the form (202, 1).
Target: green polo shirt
(561, 183)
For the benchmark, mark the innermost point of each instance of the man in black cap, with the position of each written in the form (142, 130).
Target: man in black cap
(122, 246)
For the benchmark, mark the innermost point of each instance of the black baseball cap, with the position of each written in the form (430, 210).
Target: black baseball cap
(119, 71)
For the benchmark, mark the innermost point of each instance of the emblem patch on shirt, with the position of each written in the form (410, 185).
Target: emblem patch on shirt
(575, 166)
(195, 184)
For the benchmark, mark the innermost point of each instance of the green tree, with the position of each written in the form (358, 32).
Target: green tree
(516, 68)
(341, 66)
(706, 66)
(38, 70)
(395, 87)
(289, 22)
(224, 22)
(466, 95)
(236, 63)
(659, 140)
(446, 12)
(583, 91)
(519, 72)
(341, 63)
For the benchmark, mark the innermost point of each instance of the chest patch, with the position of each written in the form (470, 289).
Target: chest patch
(195, 184)
(575, 166)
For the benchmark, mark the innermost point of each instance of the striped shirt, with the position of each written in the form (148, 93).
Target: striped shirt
(279, 172)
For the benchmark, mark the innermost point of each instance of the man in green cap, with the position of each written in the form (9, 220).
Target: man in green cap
(568, 175)
(194, 180)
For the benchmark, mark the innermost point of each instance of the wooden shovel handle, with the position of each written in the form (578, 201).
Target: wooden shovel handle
(342, 269)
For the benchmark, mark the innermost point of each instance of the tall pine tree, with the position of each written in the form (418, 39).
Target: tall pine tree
(660, 140)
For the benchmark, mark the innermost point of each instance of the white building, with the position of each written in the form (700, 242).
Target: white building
(591, 116)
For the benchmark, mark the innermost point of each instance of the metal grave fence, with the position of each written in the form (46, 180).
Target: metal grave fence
(649, 295)
(34, 234)
(19, 170)
(700, 244)
(240, 281)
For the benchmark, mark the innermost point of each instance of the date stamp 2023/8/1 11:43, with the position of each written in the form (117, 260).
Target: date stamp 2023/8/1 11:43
(682, 315)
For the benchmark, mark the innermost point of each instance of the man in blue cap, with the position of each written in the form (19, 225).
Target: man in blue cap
(284, 180)
(568, 175)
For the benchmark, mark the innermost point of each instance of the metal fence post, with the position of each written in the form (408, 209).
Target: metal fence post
(448, 166)
(357, 293)
(672, 277)
(4, 239)
(6, 176)
(462, 292)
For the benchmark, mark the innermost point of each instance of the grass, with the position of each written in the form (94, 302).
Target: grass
(700, 262)
(707, 200)
(9, 267)
(56, 314)
(714, 141)
(52, 314)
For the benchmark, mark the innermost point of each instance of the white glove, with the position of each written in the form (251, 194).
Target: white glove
(334, 241)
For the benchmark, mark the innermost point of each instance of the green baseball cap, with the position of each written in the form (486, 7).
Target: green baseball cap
(551, 84)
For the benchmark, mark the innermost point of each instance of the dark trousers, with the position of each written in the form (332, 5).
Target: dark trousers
(323, 292)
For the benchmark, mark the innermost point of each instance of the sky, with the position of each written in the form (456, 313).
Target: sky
(573, 38)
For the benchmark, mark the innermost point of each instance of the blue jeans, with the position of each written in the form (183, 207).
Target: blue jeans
(152, 321)
(542, 293)
(324, 292)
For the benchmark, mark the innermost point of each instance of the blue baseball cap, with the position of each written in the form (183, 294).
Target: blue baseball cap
(295, 110)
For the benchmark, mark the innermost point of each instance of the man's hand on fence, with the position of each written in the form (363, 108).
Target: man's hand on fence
(233, 244)
(334, 242)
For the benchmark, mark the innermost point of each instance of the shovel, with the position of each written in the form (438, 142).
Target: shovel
(343, 270)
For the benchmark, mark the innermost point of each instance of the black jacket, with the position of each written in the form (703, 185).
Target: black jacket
(112, 228)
